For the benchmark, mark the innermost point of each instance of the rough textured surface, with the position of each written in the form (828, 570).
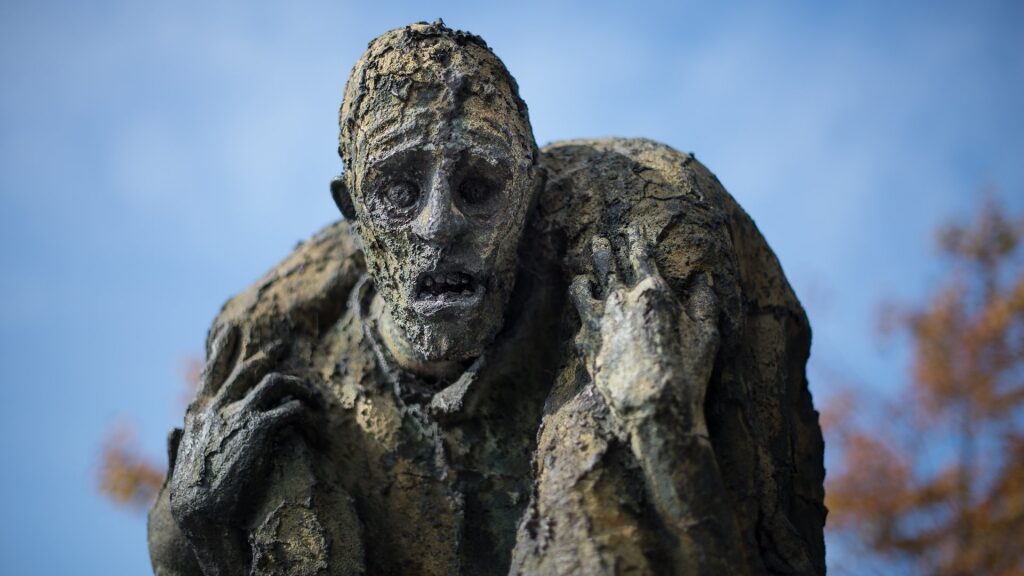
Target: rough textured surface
(622, 390)
(430, 109)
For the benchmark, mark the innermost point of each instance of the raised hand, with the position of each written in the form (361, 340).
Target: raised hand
(642, 348)
(229, 431)
(651, 358)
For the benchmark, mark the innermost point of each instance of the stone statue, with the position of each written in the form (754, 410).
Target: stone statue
(582, 359)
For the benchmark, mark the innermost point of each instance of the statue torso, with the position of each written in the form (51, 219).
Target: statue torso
(471, 476)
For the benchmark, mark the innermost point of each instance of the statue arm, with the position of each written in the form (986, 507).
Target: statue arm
(226, 480)
(230, 448)
(763, 427)
(651, 358)
(306, 523)
(247, 491)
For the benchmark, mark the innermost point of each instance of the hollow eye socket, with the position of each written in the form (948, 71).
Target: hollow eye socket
(475, 191)
(402, 194)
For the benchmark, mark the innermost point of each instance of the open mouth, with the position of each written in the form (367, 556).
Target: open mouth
(440, 290)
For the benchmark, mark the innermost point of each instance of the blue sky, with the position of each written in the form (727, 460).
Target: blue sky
(155, 158)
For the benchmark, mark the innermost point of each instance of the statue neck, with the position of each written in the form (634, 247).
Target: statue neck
(403, 353)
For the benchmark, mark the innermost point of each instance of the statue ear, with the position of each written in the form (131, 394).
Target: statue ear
(339, 191)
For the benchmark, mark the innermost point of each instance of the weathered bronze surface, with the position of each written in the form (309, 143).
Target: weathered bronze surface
(583, 359)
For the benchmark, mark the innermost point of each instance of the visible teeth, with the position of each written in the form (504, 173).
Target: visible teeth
(436, 285)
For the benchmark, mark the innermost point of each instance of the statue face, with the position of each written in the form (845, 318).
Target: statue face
(440, 208)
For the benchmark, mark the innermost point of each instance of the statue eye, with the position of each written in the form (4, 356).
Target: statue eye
(402, 194)
(475, 191)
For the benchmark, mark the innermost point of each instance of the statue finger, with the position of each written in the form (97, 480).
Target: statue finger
(245, 375)
(604, 263)
(639, 253)
(287, 413)
(701, 302)
(219, 360)
(275, 351)
(582, 293)
(275, 388)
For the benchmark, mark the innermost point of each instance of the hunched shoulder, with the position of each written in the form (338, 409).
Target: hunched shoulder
(299, 298)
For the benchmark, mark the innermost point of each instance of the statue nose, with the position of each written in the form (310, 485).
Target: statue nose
(440, 221)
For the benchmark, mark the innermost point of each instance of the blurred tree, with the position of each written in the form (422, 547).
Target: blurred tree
(936, 484)
(126, 475)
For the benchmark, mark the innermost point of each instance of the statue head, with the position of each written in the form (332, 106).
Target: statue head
(440, 171)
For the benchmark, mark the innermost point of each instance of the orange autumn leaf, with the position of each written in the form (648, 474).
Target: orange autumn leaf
(938, 484)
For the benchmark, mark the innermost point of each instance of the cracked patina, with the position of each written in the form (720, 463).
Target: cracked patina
(582, 359)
